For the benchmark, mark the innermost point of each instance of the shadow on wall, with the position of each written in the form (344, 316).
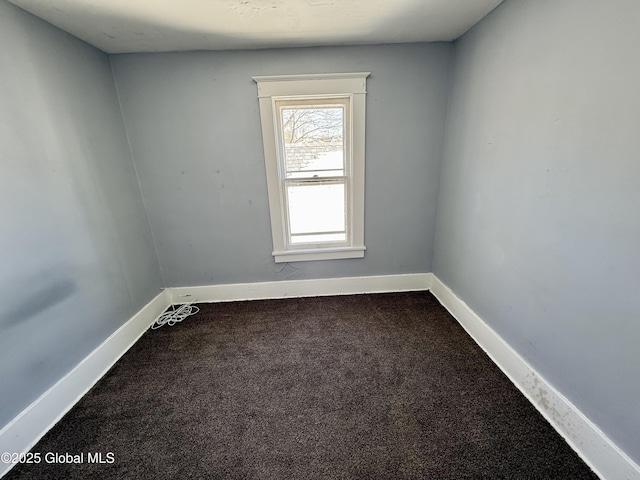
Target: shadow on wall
(36, 302)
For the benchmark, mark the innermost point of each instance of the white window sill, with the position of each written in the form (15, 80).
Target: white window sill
(319, 254)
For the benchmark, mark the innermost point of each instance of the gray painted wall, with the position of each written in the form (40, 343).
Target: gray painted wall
(194, 126)
(77, 255)
(538, 224)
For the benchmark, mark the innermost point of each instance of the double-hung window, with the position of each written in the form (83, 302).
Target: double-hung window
(313, 133)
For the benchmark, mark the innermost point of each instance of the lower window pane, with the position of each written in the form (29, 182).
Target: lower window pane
(316, 210)
(318, 238)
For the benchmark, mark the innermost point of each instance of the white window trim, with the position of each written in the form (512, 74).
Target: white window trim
(274, 88)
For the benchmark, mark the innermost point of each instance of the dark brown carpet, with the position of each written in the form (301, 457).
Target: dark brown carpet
(380, 386)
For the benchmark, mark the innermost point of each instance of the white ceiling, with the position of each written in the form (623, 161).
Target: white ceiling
(119, 26)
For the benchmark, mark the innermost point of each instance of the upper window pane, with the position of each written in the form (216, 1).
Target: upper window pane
(313, 138)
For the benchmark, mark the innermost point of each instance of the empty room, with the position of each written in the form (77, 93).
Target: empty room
(273, 239)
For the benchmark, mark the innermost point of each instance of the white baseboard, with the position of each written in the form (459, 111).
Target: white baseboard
(24, 431)
(302, 288)
(594, 447)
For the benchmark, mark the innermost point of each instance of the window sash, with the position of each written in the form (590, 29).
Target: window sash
(304, 177)
(290, 240)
